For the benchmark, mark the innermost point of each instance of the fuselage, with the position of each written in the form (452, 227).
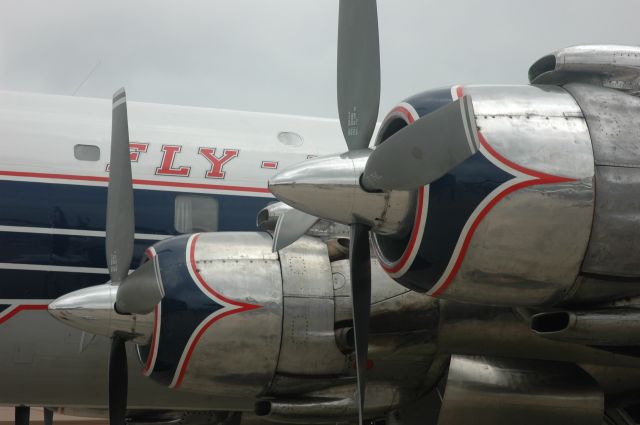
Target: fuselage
(194, 169)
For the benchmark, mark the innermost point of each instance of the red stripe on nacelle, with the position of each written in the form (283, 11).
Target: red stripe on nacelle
(541, 178)
(241, 307)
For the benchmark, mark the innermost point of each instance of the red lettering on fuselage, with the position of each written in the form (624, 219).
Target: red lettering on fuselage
(166, 168)
(216, 171)
(136, 149)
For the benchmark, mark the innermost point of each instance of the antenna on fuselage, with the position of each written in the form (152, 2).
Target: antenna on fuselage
(87, 77)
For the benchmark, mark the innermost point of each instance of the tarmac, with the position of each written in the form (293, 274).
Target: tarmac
(37, 418)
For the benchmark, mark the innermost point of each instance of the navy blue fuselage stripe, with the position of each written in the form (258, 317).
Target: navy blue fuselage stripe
(60, 250)
(44, 285)
(77, 207)
(3, 307)
(184, 307)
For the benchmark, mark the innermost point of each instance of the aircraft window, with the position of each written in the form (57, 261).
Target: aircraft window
(86, 152)
(196, 213)
(290, 139)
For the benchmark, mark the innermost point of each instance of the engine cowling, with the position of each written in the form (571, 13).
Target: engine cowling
(542, 214)
(235, 315)
(510, 225)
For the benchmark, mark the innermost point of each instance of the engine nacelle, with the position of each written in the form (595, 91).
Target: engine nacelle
(235, 316)
(511, 224)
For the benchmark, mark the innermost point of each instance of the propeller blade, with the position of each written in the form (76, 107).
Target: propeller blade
(358, 71)
(120, 224)
(424, 151)
(291, 226)
(141, 291)
(118, 382)
(86, 339)
(360, 263)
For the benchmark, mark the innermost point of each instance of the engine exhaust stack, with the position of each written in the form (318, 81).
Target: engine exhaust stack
(329, 406)
(612, 327)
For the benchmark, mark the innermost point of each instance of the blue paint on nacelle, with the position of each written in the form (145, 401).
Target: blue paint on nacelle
(451, 202)
(183, 308)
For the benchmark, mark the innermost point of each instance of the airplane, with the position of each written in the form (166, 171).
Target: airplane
(54, 180)
(484, 197)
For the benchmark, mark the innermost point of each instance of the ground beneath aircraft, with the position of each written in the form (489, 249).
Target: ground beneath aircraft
(37, 418)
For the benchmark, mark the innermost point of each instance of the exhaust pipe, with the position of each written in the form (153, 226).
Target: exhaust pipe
(312, 410)
(329, 406)
(615, 327)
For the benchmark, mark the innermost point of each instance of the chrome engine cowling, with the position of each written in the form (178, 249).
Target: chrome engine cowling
(235, 315)
(544, 213)
(510, 225)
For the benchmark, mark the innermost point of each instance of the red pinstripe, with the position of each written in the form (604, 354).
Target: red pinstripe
(23, 307)
(542, 178)
(142, 182)
(153, 341)
(416, 224)
(241, 307)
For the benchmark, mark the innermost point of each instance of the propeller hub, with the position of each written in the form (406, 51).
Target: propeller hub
(329, 187)
(92, 310)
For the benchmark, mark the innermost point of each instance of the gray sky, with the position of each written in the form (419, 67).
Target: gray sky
(279, 55)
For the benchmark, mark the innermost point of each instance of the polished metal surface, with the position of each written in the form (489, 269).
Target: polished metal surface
(612, 66)
(612, 117)
(528, 249)
(91, 310)
(329, 187)
(325, 229)
(614, 327)
(402, 308)
(620, 384)
(538, 127)
(333, 405)
(308, 345)
(267, 218)
(505, 391)
(593, 289)
(404, 327)
(504, 332)
(291, 226)
(238, 354)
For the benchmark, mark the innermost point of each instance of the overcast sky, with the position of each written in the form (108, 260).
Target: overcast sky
(280, 55)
